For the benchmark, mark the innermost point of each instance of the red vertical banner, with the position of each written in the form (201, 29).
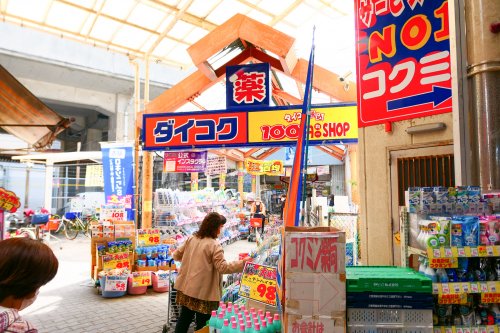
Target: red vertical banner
(403, 59)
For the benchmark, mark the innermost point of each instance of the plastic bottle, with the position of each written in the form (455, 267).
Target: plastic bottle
(225, 327)
(421, 267)
(496, 312)
(242, 329)
(270, 326)
(212, 322)
(277, 323)
(249, 328)
(257, 328)
(234, 327)
(442, 277)
(220, 322)
(263, 328)
(431, 274)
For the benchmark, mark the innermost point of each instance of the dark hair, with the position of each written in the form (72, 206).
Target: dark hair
(25, 266)
(210, 225)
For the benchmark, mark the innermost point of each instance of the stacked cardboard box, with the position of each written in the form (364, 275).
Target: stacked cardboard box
(110, 231)
(314, 280)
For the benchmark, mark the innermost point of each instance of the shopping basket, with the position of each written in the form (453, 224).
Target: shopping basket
(256, 222)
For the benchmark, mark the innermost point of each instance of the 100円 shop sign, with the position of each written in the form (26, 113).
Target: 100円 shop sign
(278, 126)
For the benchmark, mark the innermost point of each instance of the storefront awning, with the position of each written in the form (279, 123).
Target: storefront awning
(25, 116)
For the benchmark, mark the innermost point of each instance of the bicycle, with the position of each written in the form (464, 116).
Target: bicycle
(73, 224)
(38, 232)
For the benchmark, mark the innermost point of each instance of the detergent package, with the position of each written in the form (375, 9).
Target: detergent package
(414, 199)
(427, 199)
(440, 199)
(456, 237)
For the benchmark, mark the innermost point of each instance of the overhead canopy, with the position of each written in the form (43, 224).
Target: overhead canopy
(25, 116)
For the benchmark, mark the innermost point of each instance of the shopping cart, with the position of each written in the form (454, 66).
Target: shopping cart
(173, 310)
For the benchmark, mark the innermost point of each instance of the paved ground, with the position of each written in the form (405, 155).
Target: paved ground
(70, 303)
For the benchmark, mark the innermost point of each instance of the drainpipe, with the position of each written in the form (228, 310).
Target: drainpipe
(483, 53)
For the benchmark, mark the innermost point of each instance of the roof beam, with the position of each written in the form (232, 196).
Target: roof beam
(267, 153)
(250, 152)
(331, 153)
(232, 154)
(186, 17)
(287, 97)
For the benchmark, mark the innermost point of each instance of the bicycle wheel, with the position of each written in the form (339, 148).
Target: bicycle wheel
(70, 229)
(86, 228)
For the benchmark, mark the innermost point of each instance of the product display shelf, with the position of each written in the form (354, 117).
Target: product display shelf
(467, 329)
(464, 252)
(454, 293)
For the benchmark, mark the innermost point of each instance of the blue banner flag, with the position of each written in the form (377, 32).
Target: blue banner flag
(118, 174)
(296, 190)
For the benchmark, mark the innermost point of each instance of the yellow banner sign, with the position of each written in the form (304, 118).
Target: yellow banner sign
(147, 237)
(270, 168)
(141, 279)
(115, 260)
(258, 282)
(328, 123)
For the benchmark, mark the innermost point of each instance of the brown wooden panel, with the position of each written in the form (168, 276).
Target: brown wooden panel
(22, 114)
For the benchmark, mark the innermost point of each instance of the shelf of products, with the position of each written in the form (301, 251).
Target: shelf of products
(467, 329)
(456, 233)
(179, 214)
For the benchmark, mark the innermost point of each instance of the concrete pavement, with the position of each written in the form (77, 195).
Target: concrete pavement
(70, 303)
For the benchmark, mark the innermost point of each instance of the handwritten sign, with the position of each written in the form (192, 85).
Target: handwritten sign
(258, 282)
(314, 252)
(115, 260)
(216, 166)
(141, 279)
(452, 299)
(490, 298)
(116, 283)
(148, 237)
(443, 263)
(9, 202)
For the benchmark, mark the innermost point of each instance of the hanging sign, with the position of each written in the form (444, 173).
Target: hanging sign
(118, 173)
(9, 202)
(258, 282)
(216, 166)
(247, 85)
(256, 128)
(403, 59)
(93, 176)
(112, 214)
(115, 260)
(270, 168)
(115, 283)
(189, 161)
(148, 237)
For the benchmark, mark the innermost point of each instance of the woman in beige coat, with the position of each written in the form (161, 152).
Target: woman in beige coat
(200, 277)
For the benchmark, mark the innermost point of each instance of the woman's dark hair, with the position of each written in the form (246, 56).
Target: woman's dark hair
(25, 266)
(210, 225)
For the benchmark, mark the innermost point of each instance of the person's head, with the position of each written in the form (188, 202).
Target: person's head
(211, 226)
(25, 266)
(258, 201)
(283, 197)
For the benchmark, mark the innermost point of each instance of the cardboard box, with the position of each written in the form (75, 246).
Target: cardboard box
(315, 324)
(311, 294)
(314, 250)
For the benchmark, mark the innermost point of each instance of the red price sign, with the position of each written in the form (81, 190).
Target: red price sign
(453, 299)
(9, 202)
(258, 282)
(443, 263)
(490, 298)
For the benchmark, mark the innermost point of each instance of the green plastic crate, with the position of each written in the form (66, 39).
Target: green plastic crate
(362, 279)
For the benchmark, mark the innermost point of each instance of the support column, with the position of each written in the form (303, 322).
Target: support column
(194, 181)
(222, 181)
(49, 177)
